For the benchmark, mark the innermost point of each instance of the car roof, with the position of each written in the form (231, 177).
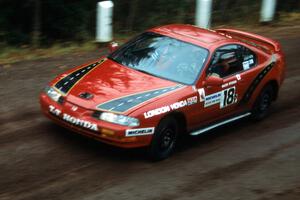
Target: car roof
(202, 37)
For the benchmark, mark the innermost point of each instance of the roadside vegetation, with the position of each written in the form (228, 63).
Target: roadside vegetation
(35, 29)
(11, 54)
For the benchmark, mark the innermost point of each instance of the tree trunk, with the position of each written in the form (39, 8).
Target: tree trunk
(133, 5)
(36, 24)
(224, 10)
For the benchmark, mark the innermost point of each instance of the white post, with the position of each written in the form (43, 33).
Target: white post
(267, 10)
(104, 21)
(203, 13)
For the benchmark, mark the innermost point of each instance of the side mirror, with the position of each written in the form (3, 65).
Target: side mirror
(213, 81)
(113, 46)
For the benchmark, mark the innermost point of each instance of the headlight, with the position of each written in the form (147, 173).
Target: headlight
(52, 93)
(119, 119)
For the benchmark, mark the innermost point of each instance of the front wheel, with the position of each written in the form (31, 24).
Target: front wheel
(164, 139)
(263, 102)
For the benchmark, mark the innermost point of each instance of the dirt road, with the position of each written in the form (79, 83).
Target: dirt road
(247, 161)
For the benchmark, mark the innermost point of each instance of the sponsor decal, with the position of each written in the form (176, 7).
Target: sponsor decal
(73, 120)
(125, 103)
(212, 99)
(54, 110)
(139, 132)
(224, 98)
(157, 111)
(248, 62)
(174, 106)
(201, 92)
(192, 100)
(238, 78)
(229, 83)
(65, 84)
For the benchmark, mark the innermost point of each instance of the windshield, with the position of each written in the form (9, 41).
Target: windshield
(163, 57)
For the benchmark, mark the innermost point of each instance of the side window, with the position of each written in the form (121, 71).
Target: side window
(249, 58)
(231, 59)
(227, 60)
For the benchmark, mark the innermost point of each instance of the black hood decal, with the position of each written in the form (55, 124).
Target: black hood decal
(125, 103)
(65, 84)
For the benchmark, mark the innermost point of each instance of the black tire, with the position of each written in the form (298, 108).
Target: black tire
(164, 140)
(263, 102)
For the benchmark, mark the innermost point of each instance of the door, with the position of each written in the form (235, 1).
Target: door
(227, 79)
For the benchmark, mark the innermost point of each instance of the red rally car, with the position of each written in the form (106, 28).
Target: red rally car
(169, 80)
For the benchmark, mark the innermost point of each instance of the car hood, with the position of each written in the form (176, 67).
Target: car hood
(107, 85)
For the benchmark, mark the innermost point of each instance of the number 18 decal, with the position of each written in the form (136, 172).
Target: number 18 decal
(228, 97)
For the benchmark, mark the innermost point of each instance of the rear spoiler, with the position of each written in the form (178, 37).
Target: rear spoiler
(252, 39)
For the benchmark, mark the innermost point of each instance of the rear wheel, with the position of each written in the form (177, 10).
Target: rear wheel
(164, 139)
(263, 102)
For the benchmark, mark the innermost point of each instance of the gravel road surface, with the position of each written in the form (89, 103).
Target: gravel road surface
(245, 160)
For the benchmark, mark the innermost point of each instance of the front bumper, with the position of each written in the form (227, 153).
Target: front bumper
(106, 132)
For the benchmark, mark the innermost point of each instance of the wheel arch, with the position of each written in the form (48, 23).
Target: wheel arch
(180, 118)
(275, 86)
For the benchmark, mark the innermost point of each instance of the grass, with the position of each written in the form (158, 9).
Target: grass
(283, 19)
(289, 18)
(9, 54)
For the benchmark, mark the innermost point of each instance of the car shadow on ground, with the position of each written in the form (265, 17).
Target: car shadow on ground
(90, 146)
(188, 142)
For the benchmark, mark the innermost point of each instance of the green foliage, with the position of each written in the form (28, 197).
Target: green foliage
(288, 5)
(153, 13)
(74, 20)
(245, 11)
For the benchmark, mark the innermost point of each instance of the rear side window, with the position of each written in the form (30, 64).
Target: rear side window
(231, 59)
(249, 58)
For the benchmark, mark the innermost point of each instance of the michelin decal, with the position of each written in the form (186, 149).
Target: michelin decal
(212, 99)
(139, 132)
